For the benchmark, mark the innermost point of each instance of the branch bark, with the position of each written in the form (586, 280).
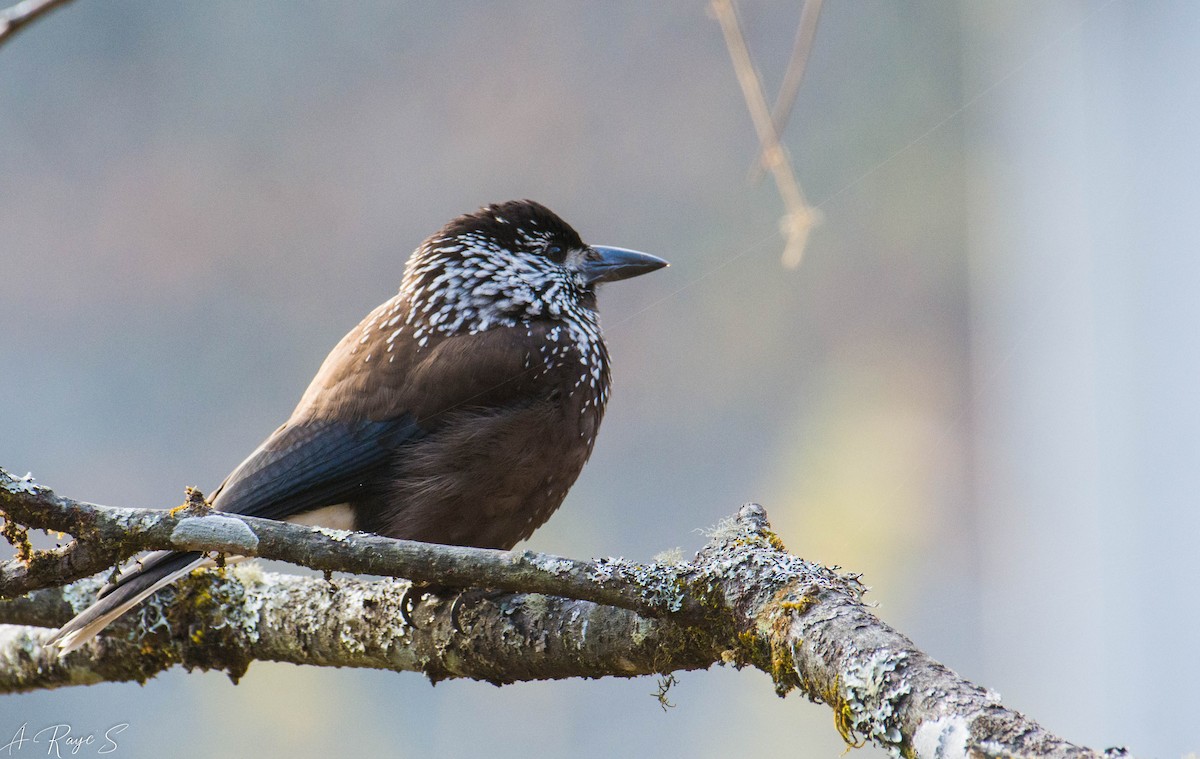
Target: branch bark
(107, 535)
(225, 620)
(743, 600)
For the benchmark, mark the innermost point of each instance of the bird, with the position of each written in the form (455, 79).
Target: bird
(460, 411)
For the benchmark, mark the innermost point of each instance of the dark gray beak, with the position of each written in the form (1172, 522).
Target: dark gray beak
(604, 264)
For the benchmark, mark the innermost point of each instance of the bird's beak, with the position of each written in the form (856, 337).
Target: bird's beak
(604, 264)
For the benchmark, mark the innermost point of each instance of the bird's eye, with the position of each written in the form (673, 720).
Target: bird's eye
(554, 252)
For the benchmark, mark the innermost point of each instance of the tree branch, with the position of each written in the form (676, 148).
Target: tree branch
(800, 217)
(16, 17)
(810, 13)
(114, 534)
(225, 620)
(743, 600)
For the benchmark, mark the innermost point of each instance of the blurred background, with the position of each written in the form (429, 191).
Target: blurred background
(980, 388)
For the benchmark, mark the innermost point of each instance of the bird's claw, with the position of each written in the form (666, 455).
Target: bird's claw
(470, 596)
(416, 592)
(412, 596)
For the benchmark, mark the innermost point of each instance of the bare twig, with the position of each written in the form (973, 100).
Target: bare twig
(800, 217)
(797, 65)
(16, 17)
(57, 567)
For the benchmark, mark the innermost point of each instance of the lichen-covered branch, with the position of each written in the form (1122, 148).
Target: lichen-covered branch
(743, 600)
(225, 620)
(113, 534)
(43, 569)
(807, 626)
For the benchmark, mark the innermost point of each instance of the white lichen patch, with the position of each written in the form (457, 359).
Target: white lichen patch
(536, 604)
(669, 556)
(214, 532)
(24, 484)
(642, 630)
(19, 645)
(30, 639)
(552, 565)
(727, 529)
(81, 594)
(943, 738)
(339, 536)
(993, 750)
(250, 575)
(872, 693)
(351, 604)
(658, 585)
(610, 567)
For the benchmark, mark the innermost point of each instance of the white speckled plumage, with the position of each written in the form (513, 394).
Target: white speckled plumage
(470, 283)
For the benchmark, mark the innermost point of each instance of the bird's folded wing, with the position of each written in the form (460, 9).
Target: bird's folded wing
(312, 464)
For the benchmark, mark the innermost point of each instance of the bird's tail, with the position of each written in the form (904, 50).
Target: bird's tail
(154, 571)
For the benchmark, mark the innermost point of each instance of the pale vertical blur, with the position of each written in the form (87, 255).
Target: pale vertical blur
(979, 388)
(1086, 356)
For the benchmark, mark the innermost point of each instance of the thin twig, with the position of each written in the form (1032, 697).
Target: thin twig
(800, 217)
(16, 17)
(806, 32)
(56, 567)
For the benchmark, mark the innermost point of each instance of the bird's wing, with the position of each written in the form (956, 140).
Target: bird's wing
(310, 464)
(357, 414)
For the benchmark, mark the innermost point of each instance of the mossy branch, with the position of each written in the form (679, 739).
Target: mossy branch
(106, 535)
(743, 600)
(226, 619)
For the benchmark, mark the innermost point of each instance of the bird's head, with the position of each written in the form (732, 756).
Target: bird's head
(509, 262)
